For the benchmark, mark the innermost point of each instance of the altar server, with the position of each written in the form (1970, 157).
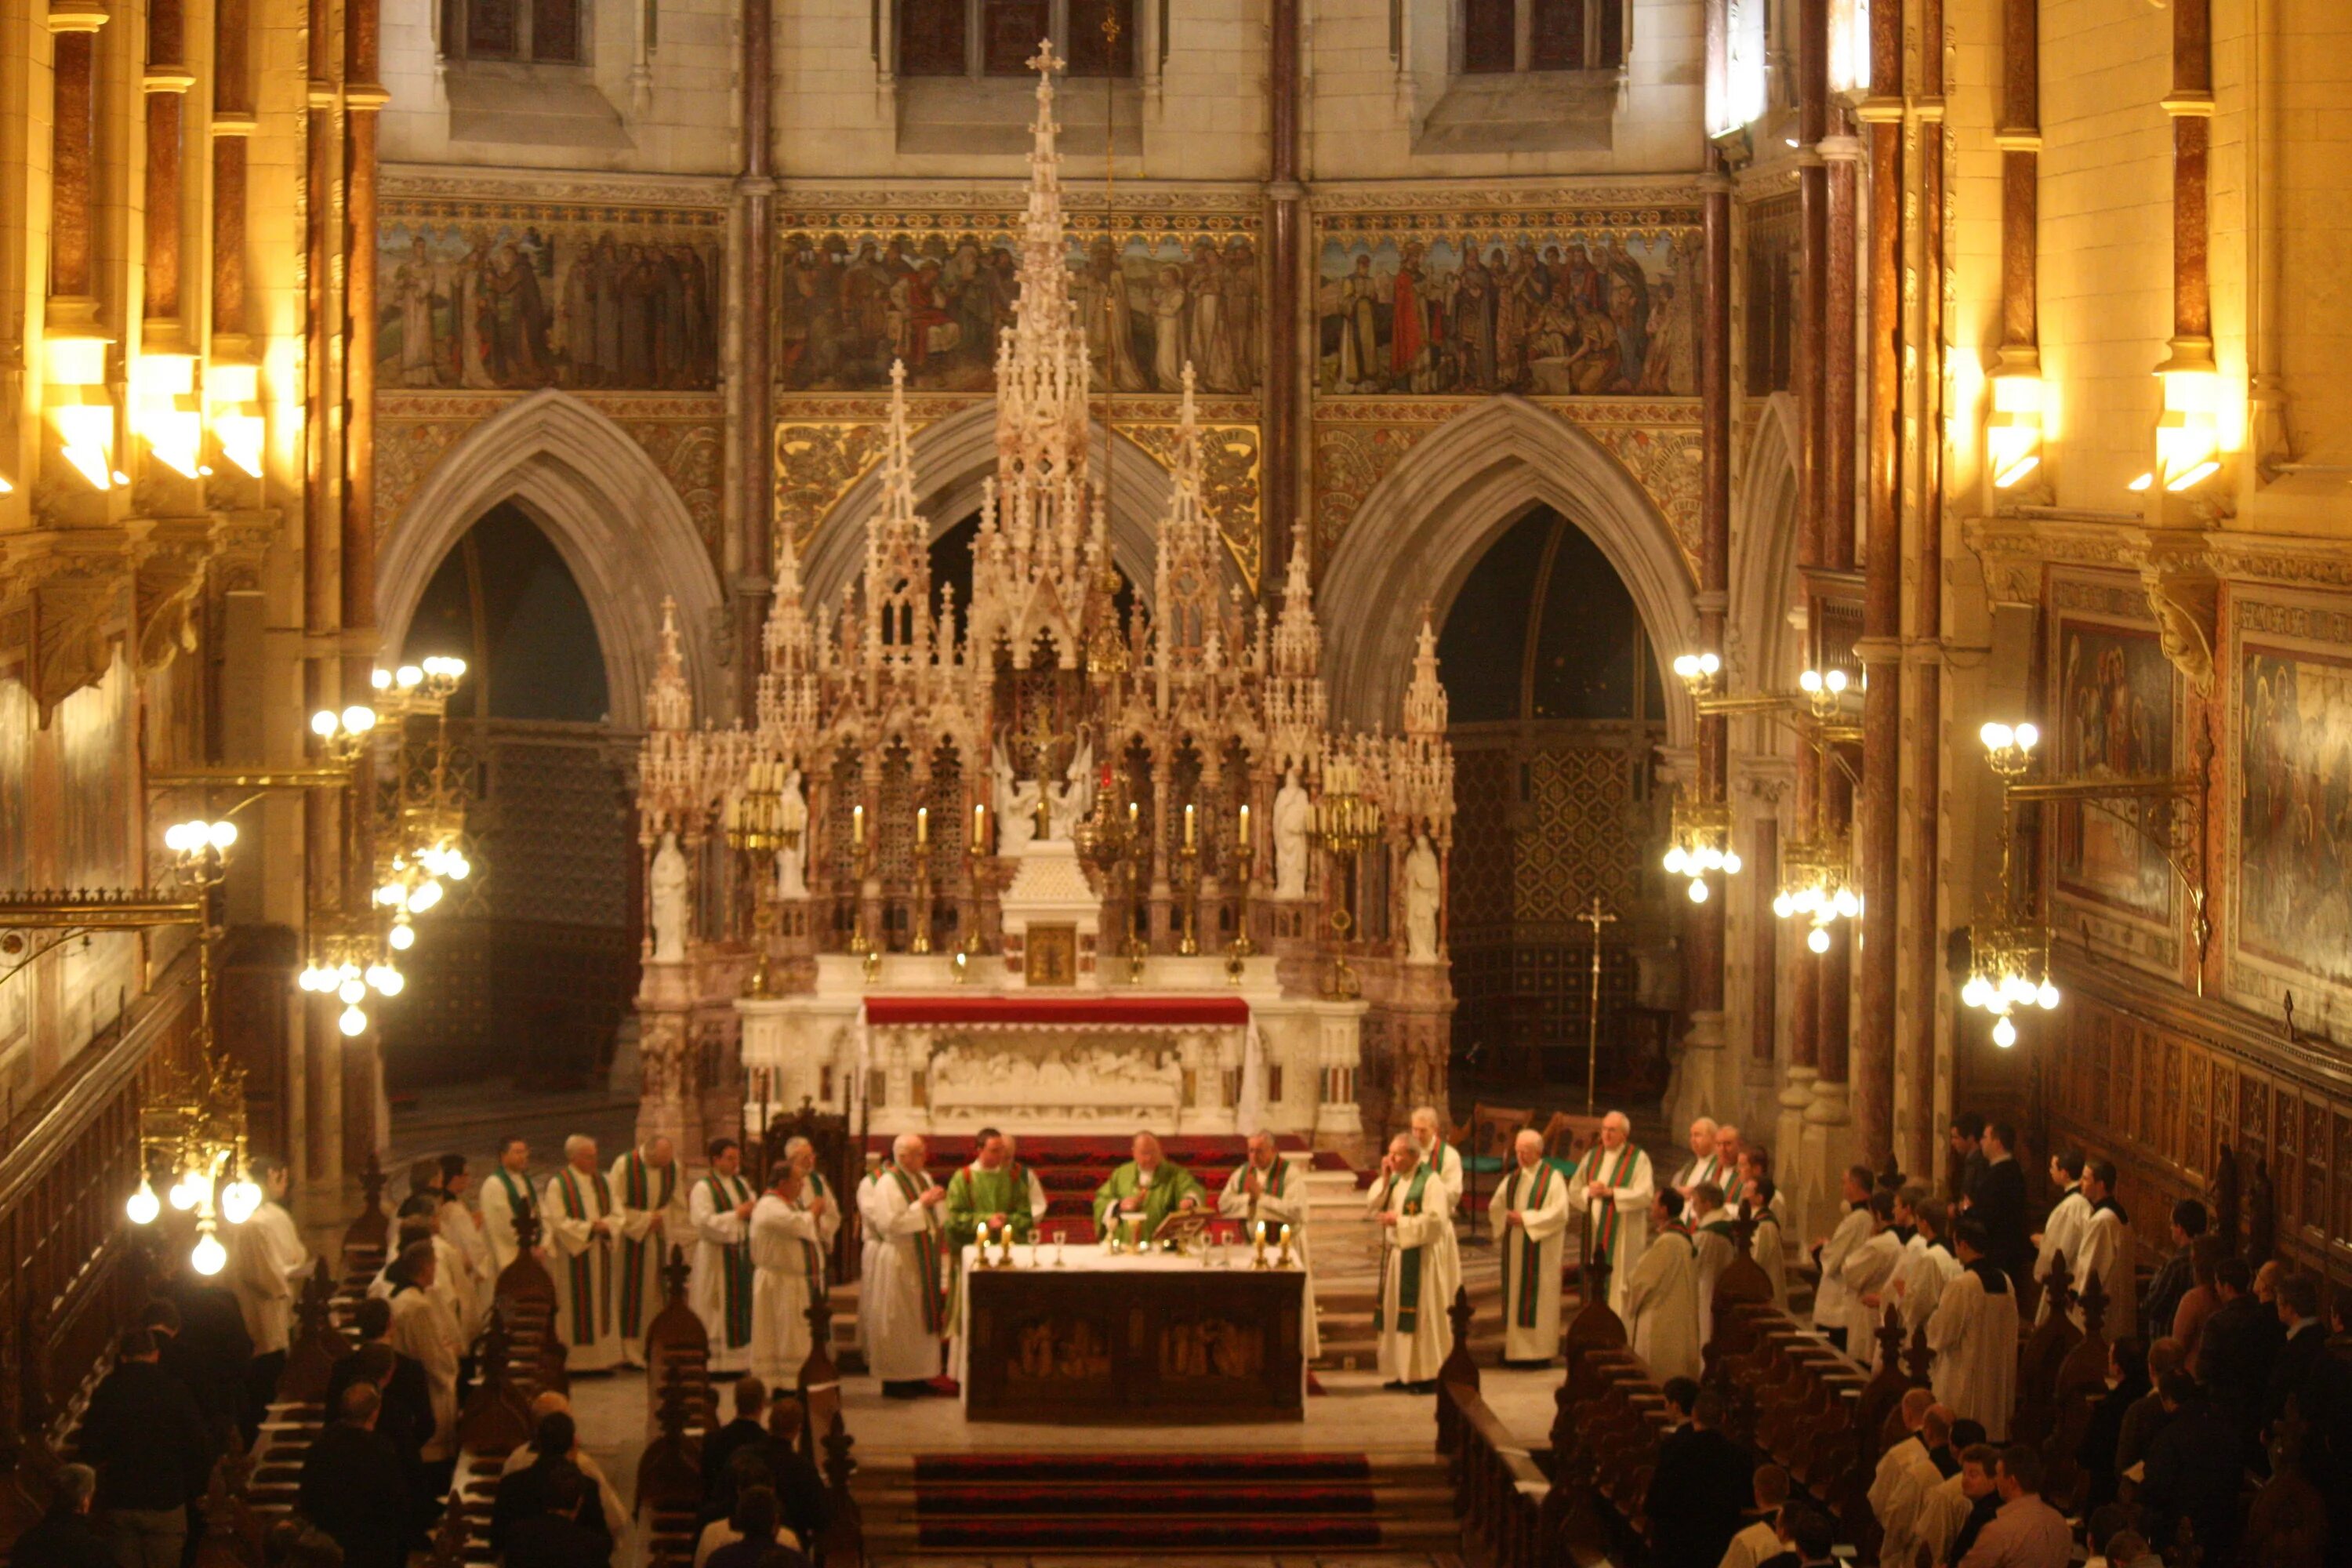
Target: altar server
(1854, 1228)
(1928, 1263)
(1761, 1199)
(2061, 1233)
(720, 1212)
(993, 1191)
(1973, 1334)
(1264, 1190)
(272, 1265)
(424, 1330)
(505, 1195)
(463, 1227)
(1716, 1245)
(1148, 1188)
(2106, 1254)
(1706, 1164)
(1661, 1310)
(651, 1191)
(1530, 1214)
(1419, 1274)
(792, 1225)
(578, 1209)
(902, 1302)
(1615, 1185)
(1868, 1268)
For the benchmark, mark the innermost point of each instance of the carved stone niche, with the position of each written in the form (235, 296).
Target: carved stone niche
(2184, 594)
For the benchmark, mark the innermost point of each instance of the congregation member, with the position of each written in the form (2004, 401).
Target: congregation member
(1717, 1244)
(902, 1301)
(2177, 1273)
(1141, 1193)
(2203, 1297)
(1760, 1540)
(2302, 1371)
(1830, 1317)
(792, 1227)
(751, 1452)
(161, 1320)
(1973, 1338)
(422, 1330)
(1760, 1199)
(2146, 1416)
(648, 1188)
(1419, 1269)
(2062, 1232)
(1967, 1144)
(1957, 1507)
(995, 1190)
(463, 1228)
(2127, 1384)
(1264, 1190)
(756, 1521)
(505, 1195)
(719, 1211)
(64, 1536)
(2235, 1351)
(1906, 1461)
(1661, 1311)
(355, 1488)
(1529, 1215)
(582, 1221)
(213, 1353)
(564, 1441)
(2024, 1531)
(1996, 1201)
(1807, 1538)
(146, 1437)
(557, 1535)
(1615, 1185)
(1704, 1163)
(268, 1266)
(2190, 1479)
(1864, 1276)
(2106, 1254)
(406, 1395)
(1700, 1489)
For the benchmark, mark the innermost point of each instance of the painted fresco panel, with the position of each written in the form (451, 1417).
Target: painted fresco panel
(2113, 711)
(2294, 807)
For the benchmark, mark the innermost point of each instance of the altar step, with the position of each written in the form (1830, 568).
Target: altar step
(1203, 1506)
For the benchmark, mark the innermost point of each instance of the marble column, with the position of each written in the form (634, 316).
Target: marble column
(1285, 390)
(73, 165)
(232, 123)
(754, 395)
(166, 86)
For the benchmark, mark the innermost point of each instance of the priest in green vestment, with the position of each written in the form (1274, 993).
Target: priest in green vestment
(1148, 1188)
(994, 1191)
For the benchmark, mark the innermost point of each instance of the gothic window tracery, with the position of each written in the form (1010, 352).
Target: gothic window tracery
(998, 37)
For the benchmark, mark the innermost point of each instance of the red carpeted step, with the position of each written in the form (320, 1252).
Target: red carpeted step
(1150, 1532)
(1057, 1500)
(950, 1469)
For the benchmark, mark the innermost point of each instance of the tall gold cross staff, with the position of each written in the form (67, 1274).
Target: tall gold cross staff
(1596, 917)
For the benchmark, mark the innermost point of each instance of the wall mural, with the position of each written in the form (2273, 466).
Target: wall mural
(1539, 308)
(519, 296)
(854, 294)
(2113, 710)
(2295, 799)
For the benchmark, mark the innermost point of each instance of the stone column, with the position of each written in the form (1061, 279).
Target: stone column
(1287, 298)
(166, 87)
(232, 123)
(753, 391)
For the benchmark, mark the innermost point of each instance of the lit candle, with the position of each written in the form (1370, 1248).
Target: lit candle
(979, 828)
(1245, 837)
(1134, 814)
(1188, 825)
(923, 824)
(857, 826)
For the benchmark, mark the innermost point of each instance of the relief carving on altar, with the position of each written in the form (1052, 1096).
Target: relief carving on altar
(1195, 1348)
(1081, 1082)
(1047, 1350)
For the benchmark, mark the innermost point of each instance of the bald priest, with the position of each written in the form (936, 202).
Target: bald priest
(1146, 1191)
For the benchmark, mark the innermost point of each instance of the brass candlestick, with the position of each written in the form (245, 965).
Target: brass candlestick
(921, 941)
(1285, 1261)
(1257, 1240)
(1239, 950)
(1188, 876)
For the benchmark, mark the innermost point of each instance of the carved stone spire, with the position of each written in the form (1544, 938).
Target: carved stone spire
(670, 701)
(1425, 699)
(897, 548)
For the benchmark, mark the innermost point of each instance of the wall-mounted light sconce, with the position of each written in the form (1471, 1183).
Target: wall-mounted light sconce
(2188, 432)
(81, 409)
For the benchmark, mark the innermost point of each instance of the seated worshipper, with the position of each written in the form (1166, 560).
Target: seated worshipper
(1712, 1237)
(1761, 1200)
(268, 1266)
(2063, 1231)
(524, 1489)
(1145, 1190)
(64, 1538)
(791, 1229)
(1928, 1264)
(582, 1219)
(1899, 1520)
(649, 1185)
(1419, 1273)
(1973, 1336)
(1700, 1490)
(2107, 1254)
(2175, 1274)
(2127, 1384)
(1760, 1541)
(355, 1487)
(1615, 1185)
(557, 1534)
(756, 1521)
(1830, 1317)
(1705, 1164)
(144, 1436)
(1264, 1190)
(1865, 1274)
(1661, 1295)
(775, 1461)
(2235, 1351)
(2148, 1416)
(464, 1228)
(423, 1331)
(1955, 1507)
(505, 1195)
(1529, 1215)
(902, 1301)
(1898, 1467)
(719, 1210)
(2024, 1531)
(551, 1402)
(995, 1190)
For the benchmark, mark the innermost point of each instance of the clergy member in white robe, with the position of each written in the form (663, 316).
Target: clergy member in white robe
(1445, 1162)
(1762, 1201)
(1902, 1460)
(1973, 1335)
(902, 1301)
(790, 1226)
(270, 1264)
(719, 1210)
(1716, 1245)
(816, 1193)
(2106, 1256)
(2061, 1233)
(424, 1330)
(1529, 1215)
(1615, 1185)
(1419, 1267)
(505, 1195)
(1854, 1228)
(464, 1228)
(650, 1187)
(1705, 1164)
(1662, 1296)
(1928, 1264)
(582, 1219)
(1868, 1268)
(1264, 1190)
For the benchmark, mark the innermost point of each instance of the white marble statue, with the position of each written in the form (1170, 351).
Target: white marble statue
(791, 859)
(1421, 900)
(1073, 798)
(1291, 817)
(668, 883)
(1016, 804)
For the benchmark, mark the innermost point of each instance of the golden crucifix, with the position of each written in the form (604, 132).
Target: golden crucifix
(1596, 917)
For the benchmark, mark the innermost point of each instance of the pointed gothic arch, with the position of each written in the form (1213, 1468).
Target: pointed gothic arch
(626, 537)
(1426, 524)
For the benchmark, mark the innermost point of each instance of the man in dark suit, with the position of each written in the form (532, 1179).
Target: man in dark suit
(406, 1415)
(553, 1537)
(2190, 1479)
(751, 1401)
(2234, 1357)
(1996, 1201)
(354, 1485)
(2295, 1372)
(149, 1444)
(2175, 1276)
(216, 1350)
(1700, 1490)
(523, 1495)
(1968, 1152)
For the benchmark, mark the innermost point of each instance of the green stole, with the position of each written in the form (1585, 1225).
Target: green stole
(927, 1258)
(518, 1198)
(1530, 1250)
(734, 1264)
(636, 1191)
(583, 1274)
(1408, 1317)
(1587, 1170)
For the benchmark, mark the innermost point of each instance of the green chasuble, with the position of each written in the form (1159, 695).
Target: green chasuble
(974, 1194)
(1171, 1186)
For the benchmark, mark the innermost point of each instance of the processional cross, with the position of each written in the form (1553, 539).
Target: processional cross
(1596, 917)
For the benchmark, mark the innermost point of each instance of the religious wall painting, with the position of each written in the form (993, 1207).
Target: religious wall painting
(1539, 308)
(2113, 710)
(518, 296)
(2293, 807)
(851, 299)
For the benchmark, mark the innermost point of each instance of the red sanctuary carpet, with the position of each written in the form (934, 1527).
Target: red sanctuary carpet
(1049, 1502)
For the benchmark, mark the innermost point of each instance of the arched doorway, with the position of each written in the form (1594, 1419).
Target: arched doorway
(529, 974)
(1557, 708)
